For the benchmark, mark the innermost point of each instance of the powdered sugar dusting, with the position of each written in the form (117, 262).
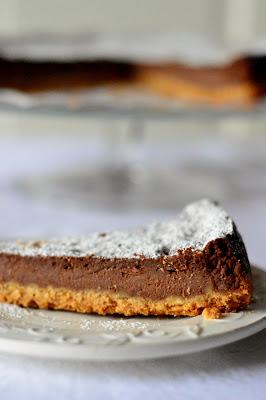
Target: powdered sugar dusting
(198, 223)
(11, 311)
(114, 324)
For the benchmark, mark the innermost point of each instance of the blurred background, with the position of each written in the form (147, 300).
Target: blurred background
(233, 21)
(80, 160)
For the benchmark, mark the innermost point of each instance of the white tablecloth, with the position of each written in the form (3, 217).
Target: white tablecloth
(236, 371)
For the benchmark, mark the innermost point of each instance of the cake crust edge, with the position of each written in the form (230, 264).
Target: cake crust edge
(104, 302)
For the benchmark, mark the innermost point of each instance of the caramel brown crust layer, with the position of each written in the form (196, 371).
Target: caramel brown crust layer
(160, 83)
(90, 301)
(241, 81)
(234, 72)
(231, 83)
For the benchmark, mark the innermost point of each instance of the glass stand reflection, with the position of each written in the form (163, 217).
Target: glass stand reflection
(142, 170)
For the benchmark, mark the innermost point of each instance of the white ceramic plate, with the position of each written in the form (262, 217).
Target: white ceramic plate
(68, 335)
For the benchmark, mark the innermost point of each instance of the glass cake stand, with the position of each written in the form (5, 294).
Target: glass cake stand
(131, 161)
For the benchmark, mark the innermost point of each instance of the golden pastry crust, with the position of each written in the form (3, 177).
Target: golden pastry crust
(211, 313)
(103, 303)
(167, 85)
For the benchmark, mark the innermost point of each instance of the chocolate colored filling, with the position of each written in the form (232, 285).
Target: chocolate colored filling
(221, 266)
(31, 76)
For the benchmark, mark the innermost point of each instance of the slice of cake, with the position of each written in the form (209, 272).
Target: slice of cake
(194, 263)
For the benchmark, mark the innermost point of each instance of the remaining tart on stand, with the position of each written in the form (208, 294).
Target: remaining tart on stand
(241, 81)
